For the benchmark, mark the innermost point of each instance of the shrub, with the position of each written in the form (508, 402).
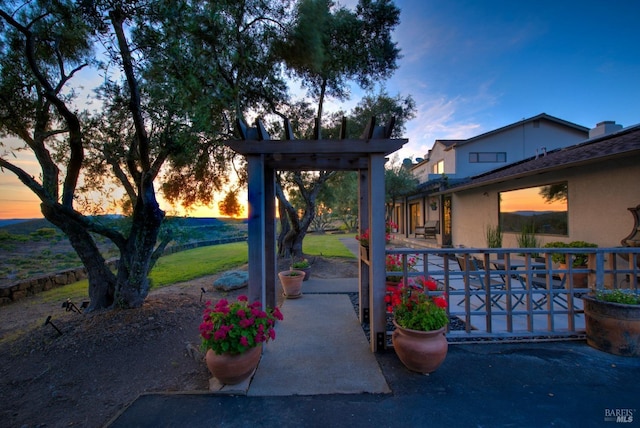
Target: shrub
(579, 259)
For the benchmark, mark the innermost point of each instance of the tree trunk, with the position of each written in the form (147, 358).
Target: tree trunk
(284, 228)
(102, 282)
(137, 257)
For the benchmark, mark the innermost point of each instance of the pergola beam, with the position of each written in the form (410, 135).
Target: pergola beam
(367, 156)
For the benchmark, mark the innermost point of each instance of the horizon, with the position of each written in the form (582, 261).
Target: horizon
(473, 67)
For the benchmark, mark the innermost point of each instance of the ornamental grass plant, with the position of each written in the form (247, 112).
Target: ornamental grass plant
(237, 326)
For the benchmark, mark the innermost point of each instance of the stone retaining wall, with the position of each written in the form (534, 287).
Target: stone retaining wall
(28, 287)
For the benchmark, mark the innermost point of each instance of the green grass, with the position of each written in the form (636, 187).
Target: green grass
(327, 245)
(191, 264)
(198, 262)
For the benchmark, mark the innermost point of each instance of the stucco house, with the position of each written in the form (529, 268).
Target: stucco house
(594, 173)
(599, 181)
(465, 158)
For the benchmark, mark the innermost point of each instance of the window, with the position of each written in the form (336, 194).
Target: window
(544, 207)
(438, 167)
(479, 157)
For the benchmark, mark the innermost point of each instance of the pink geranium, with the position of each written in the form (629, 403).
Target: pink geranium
(235, 327)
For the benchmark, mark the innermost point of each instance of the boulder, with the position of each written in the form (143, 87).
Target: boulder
(232, 280)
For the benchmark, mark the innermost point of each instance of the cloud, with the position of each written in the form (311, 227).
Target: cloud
(447, 117)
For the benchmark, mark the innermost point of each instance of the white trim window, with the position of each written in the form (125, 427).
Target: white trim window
(438, 167)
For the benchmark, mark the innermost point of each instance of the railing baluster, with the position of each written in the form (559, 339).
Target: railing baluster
(486, 320)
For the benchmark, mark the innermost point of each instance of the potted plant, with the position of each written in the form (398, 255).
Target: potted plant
(393, 263)
(612, 321)
(434, 205)
(232, 335)
(363, 239)
(420, 318)
(304, 266)
(579, 260)
(291, 281)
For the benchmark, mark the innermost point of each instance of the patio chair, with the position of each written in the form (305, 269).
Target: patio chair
(476, 280)
(540, 282)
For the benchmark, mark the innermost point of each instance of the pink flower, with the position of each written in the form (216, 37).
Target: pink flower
(234, 326)
(272, 334)
(246, 323)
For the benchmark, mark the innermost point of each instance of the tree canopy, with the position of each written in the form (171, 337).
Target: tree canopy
(173, 76)
(169, 78)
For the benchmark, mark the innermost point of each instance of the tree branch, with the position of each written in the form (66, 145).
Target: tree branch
(117, 20)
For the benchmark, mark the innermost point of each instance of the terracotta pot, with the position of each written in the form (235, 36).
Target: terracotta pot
(232, 369)
(307, 272)
(420, 351)
(612, 327)
(579, 279)
(364, 253)
(291, 284)
(393, 284)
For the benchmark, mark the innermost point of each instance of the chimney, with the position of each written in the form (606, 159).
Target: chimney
(604, 128)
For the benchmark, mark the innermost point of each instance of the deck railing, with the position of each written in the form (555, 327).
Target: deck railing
(519, 294)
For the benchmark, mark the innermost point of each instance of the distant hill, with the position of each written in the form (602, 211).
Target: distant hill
(27, 226)
(545, 222)
(22, 226)
(530, 213)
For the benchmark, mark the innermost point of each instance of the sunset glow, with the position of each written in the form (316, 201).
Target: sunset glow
(528, 200)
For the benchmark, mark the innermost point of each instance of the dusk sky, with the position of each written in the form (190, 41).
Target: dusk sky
(477, 65)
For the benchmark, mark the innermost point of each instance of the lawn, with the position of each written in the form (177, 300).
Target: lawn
(191, 264)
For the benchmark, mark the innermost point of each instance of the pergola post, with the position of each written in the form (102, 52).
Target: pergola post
(365, 155)
(257, 228)
(363, 224)
(377, 242)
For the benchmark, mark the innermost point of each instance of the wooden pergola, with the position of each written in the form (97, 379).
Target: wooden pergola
(366, 155)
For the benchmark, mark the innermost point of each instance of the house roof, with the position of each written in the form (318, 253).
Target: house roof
(541, 116)
(618, 144)
(449, 143)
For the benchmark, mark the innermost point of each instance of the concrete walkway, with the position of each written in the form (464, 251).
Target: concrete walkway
(319, 372)
(320, 347)
(561, 384)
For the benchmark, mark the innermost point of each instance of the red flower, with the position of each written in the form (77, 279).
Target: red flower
(440, 302)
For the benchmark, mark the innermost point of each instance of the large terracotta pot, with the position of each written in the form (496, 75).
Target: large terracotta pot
(232, 369)
(612, 327)
(420, 351)
(291, 284)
